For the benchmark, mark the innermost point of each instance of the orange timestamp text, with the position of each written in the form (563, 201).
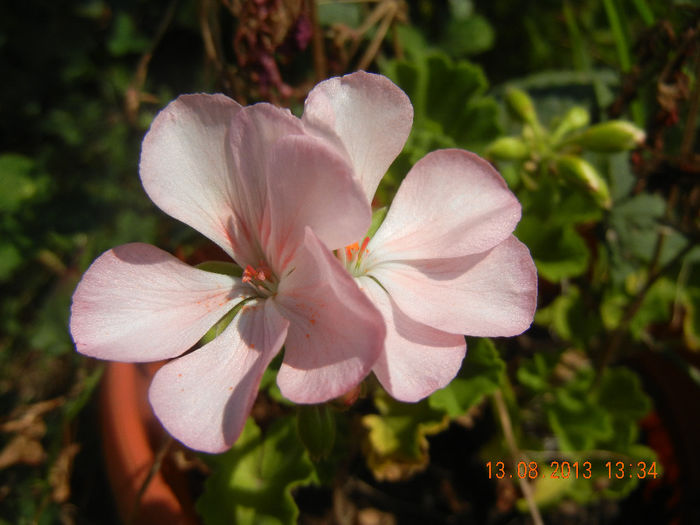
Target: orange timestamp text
(571, 470)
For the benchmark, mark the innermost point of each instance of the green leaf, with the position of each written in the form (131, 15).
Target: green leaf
(578, 424)
(48, 331)
(125, 38)
(10, 259)
(655, 308)
(316, 426)
(534, 373)
(450, 85)
(396, 446)
(635, 223)
(449, 103)
(548, 491)
(20, 181)
(570, 318)
(560, 205)
(468, 36)
(558, 251)
(482, 373)
(253, 482)
(622, 395)
(691, 322)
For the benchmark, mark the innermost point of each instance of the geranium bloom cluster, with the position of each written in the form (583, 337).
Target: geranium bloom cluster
(288, 200)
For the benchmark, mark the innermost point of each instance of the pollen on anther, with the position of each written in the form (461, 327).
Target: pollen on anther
(312, 321)
(252, 345)
(363, 248)
(307, 336)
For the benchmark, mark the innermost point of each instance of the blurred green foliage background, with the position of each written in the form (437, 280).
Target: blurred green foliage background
(609, 369)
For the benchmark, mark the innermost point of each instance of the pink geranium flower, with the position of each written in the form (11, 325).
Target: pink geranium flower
(270, 195)
(444, 262)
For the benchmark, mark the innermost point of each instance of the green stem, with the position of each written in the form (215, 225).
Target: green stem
(582, 59)
(644, 12)
(623, 53)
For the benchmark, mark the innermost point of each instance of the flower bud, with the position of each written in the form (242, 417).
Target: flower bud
(610, 137)
(507, 148)
(316, 427)
(577, 169)
(521, 105)
(576, 118)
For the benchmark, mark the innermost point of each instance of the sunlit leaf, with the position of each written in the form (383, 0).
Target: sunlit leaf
(396, 446)
(252, 483)
(481, 375)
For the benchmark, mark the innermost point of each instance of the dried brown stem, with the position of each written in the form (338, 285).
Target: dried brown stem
(517, 456)
(134, 93)
(157, 462)
(320, 67)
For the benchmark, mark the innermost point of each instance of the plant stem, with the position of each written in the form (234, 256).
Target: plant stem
(619, 333)
(517, 456)
(157, 462)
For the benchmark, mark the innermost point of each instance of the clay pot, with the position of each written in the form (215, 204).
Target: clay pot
(132, 438)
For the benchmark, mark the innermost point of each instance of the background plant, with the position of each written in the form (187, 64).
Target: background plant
(556, 95)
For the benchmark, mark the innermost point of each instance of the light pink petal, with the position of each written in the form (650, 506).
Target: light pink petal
(335, 333)
(204, 397)
(254, 134)
(452, 203)
(138, 303)
(367, 115)
(417, 359)
(186, 165)
(311, 185)
(488, 294)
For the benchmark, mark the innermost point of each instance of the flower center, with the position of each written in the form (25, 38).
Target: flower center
(351, 257)
(260, 278)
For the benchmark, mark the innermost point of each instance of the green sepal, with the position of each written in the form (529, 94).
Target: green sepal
(222, 267)
(378, 217)
(221, 324)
